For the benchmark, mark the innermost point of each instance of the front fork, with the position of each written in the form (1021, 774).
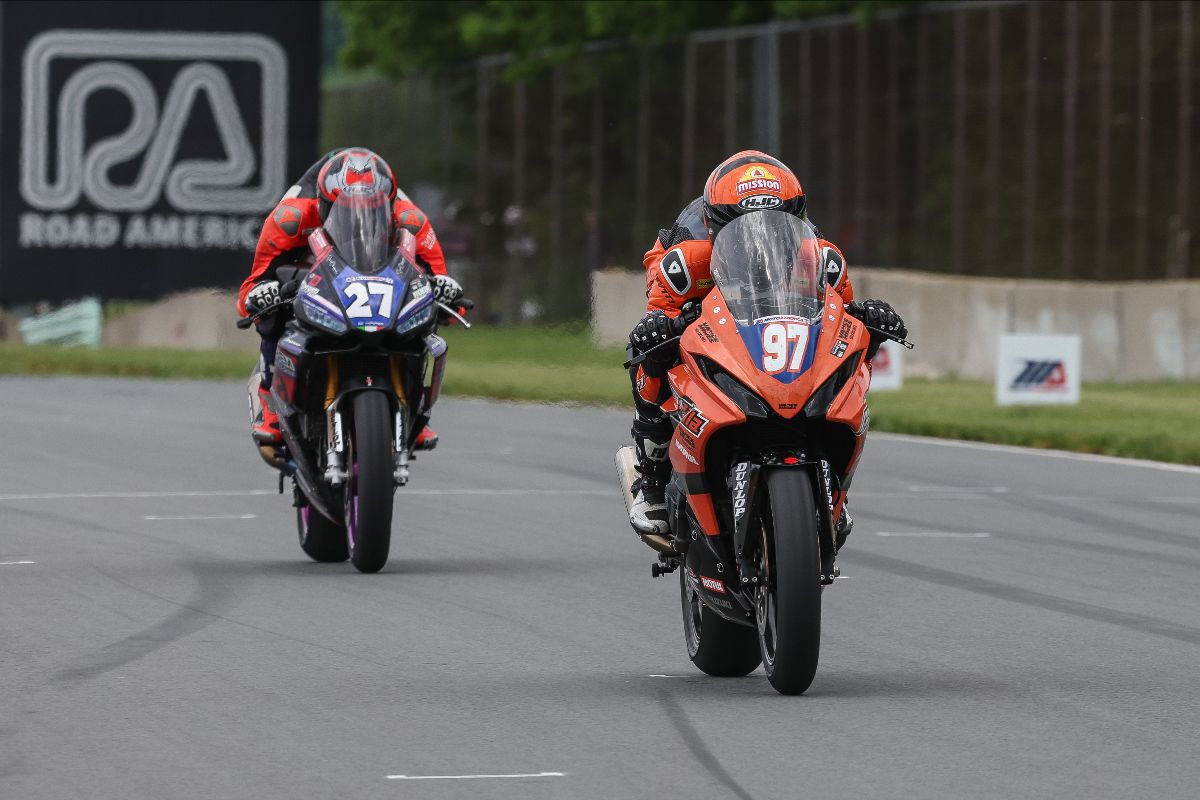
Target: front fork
(744, 480)
(335, 454)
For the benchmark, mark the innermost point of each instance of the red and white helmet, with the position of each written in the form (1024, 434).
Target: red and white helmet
(356, 172)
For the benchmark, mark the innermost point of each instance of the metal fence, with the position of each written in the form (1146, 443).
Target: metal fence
(1016, 139)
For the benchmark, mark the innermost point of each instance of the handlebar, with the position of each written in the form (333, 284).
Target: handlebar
(893, 337)
(246, 322)
(674, 342)
(640, 357)
(464, 304)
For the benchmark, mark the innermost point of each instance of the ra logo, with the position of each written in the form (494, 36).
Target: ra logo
(56, 118)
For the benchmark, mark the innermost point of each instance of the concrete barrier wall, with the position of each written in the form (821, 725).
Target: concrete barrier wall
(1130, 331)
(196, 320)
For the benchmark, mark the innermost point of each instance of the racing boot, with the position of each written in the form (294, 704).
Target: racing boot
(265, 424)
(427, 439)
(844, 525)
(648, 514)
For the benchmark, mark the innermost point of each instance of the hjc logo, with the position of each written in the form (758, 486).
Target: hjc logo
(1049, 375)
(154, 133)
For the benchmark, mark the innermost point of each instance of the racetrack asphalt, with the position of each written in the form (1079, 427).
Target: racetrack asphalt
(1011, 624)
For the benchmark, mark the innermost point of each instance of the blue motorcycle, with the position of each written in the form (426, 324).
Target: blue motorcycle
(356, 375)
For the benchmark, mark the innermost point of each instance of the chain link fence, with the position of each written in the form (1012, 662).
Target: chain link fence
(1008, 139)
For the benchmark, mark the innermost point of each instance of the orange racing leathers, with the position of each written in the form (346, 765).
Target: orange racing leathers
(677, 271)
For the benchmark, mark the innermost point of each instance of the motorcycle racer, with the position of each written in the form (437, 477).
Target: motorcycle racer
(284, 242)
(678, 277)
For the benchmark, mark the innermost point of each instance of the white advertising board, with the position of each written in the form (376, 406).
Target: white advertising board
(887, 368)
(1037, 370)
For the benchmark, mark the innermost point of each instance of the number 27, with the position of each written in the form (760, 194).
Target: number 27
(361, 295)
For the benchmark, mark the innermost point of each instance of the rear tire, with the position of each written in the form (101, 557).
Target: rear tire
(789, 604)
(320, 539)
(370, 486)
(717, 646)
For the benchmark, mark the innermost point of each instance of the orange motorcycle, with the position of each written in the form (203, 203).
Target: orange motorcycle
(768, 403)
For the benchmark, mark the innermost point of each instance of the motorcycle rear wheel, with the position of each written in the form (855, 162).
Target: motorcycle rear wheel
(789, 604)
(320, 539)
(370, 484)
(716, 646)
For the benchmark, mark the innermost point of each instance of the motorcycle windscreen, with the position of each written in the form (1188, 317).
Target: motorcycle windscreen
(767, 265)
(384, 298)
(359, 225)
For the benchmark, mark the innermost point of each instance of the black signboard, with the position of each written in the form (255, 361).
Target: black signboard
(143, 143)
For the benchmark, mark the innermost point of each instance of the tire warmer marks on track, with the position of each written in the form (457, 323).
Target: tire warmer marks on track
(186, 620)
(695, 743)
(1135, 622)
(1041, 541)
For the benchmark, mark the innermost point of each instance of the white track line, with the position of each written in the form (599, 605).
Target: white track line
(14, 563)
(202, 516)
(263, 492)
(936, 534)
(475, 777)
(1034, 451)
(132, 495)
(959, 489)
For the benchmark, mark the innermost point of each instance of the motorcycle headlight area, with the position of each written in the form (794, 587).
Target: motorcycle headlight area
(318, 316)
(818, 405)
(418, 319)
(750, 403)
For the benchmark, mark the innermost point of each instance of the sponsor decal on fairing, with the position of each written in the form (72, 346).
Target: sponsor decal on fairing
(740, 484)
(712, 584)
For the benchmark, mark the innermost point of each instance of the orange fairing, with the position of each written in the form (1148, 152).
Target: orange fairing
(714, 335)
(702, 409)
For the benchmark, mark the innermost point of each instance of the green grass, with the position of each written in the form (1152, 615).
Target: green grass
(126, 362)
(1159, 421)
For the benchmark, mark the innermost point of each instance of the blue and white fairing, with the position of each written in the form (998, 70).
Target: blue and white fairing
(337, 298)
(768, 267)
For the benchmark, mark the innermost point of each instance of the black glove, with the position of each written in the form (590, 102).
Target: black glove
(446, 290)
(879, 315)
(288, 290)
(654, 329)
(262, 296)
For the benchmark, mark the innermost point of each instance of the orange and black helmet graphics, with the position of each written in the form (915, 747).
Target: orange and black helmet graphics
(746, 182)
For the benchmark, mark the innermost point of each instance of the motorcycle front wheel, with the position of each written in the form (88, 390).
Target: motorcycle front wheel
(369, 485)
(789, 603)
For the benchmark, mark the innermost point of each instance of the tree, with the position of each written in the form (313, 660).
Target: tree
(398, 38)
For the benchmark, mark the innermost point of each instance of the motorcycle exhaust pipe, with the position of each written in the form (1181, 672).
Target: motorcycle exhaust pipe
(270, 454)
(626, 460)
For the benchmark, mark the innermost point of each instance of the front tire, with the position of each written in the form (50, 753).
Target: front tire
(716, 646)
(370, 485)
(789, 603)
